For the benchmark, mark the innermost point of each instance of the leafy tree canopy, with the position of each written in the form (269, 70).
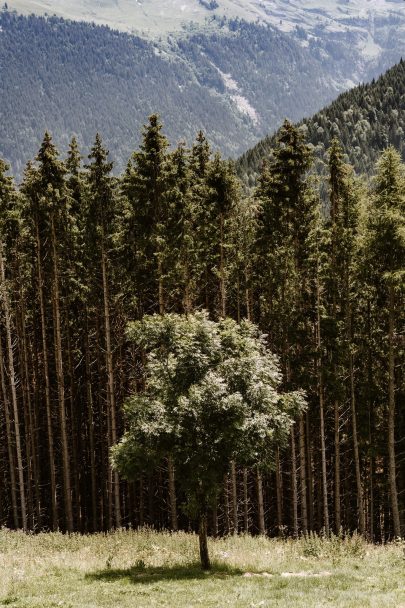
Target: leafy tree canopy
(212, 396)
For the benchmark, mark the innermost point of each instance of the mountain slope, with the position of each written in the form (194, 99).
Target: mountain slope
(235, 79)
(366, 120)
(159, 16)
(76, 78)
(364, 33)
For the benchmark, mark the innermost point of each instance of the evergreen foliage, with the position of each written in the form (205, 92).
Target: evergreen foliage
(366, 120)
(211, 397)
(83, 253)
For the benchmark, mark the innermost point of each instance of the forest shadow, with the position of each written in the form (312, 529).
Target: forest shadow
(138, 575)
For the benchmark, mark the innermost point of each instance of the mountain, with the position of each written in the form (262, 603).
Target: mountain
(234, 68)
(365, 31)
(156, 17)
(77, 78)
(366, 120)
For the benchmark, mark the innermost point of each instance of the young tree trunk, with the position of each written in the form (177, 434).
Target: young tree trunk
(391, 416)
(13, 387)
(61, 385)
(203, 540)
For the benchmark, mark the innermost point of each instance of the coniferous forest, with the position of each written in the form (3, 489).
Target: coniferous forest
(316, 261)
(366, 120)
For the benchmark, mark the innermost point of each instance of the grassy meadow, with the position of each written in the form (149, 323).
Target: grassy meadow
(146, 569)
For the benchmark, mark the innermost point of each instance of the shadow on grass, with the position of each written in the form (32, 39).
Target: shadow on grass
(138, 575)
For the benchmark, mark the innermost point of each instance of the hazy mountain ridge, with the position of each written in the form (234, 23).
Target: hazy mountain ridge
(368, 34)
(161, 16)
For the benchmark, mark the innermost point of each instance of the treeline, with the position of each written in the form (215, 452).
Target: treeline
(366, 120)
(84, 252)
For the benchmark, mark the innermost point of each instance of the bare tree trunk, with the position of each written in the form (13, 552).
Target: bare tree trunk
(338, 521)
(187, 301)
(141, 503)
(10, 450)
(303, 476)
(170, 463)
(160, 287)
(309, 475)
(75, 424)
(360, 493)
(222, 286)
(31, 432)
(294, 490)
(226, 505)
(248, 304)
(279, 492)
(203, 540)
(234, 497)
(260, 503)
(90, 423)
(112, 414)
(215, 519)
(391, 416)
(172, 494)
(321, 410)
(245, 501)
(61, 386)
(51, 451)
(12, 376)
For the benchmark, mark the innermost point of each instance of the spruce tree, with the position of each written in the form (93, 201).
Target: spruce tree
(144, 187)
(53, 208)
(101, 215)
(384, 276)
(286, 220)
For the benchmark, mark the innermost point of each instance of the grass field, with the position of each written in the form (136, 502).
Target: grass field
(146, 569)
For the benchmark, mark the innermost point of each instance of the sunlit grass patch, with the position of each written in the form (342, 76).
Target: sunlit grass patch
(148, 569)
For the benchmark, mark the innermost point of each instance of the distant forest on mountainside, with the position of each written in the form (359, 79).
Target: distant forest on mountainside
(366, 120)
(236, 83)
(83, 253)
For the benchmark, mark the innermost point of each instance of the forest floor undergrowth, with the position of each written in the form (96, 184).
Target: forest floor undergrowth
(146, 569)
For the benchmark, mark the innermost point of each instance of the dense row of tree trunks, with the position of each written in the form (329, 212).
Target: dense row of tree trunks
(69, 285)
(13, 390)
